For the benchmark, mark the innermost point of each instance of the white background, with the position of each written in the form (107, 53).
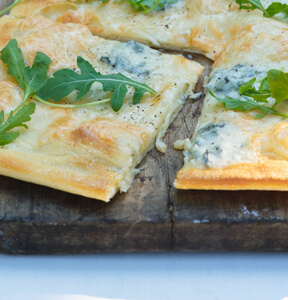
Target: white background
(148, 276)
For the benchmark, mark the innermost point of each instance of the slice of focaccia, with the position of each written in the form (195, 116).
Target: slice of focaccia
(200, 26)
(241, 150)
(90, 151)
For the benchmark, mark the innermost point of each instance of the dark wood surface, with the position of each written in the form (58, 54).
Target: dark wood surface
(151, 216)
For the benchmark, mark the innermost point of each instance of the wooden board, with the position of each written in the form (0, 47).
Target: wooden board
(151, 216)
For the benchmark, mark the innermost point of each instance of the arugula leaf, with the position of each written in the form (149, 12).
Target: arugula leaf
(11, 54)
(247, 105)
(272, 10)
(36, 77)
(252, 4)
(66, 80)
(264, 86)
(17, 120)
(162, 4)
(260, 95)
(143, 5)
(276, 8)
(146, 6)
(278, 84)
(275, 85)
(149, 5)
(247, 86)
(29, 79)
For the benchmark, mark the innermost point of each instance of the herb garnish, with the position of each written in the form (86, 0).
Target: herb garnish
(66, 80)
(272, 10)
(34, 79)
(146, 6)
(274, 85)
(29, 79)
(246, 105)
(21, 116)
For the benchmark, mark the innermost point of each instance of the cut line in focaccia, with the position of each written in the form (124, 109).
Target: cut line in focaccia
(200, 26)
(233, 150)
(90, 151)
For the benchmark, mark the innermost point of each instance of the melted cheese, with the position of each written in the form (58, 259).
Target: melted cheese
(91, 151)
(192, 25)
(235, 150)
(243, 44)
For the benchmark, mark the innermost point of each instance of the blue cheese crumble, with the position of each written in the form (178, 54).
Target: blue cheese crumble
(226, 82)
(217, 145)
(129, 57)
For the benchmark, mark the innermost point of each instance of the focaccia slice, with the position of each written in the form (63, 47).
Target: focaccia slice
(90, 151)
(233, 150)
(200, 26)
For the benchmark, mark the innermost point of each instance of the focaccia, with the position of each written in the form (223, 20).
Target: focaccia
(234, 150)
(200, 26)
(90, 151)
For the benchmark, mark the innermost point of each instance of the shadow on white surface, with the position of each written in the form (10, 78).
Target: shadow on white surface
(164, 276)
(52, 297)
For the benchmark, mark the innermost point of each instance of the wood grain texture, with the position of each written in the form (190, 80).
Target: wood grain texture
(5, 3)
(151, 216)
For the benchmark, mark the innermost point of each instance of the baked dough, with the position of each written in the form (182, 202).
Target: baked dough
(233, 150)
(90, 151)
(243, 44)
(202, 26)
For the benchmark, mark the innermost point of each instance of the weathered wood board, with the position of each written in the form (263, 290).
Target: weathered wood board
(151, 216)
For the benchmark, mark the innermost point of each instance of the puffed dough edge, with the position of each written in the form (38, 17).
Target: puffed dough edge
(30, 167)
(272, 175)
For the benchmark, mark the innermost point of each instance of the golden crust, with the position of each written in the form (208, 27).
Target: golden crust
(100, 182)
(89, 151)
(268, 175)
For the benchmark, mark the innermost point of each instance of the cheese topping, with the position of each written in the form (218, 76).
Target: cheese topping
(243, 44)
(92, 151)
(215, 144)
(193, 25)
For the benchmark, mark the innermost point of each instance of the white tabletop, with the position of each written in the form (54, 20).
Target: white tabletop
(147, 276)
